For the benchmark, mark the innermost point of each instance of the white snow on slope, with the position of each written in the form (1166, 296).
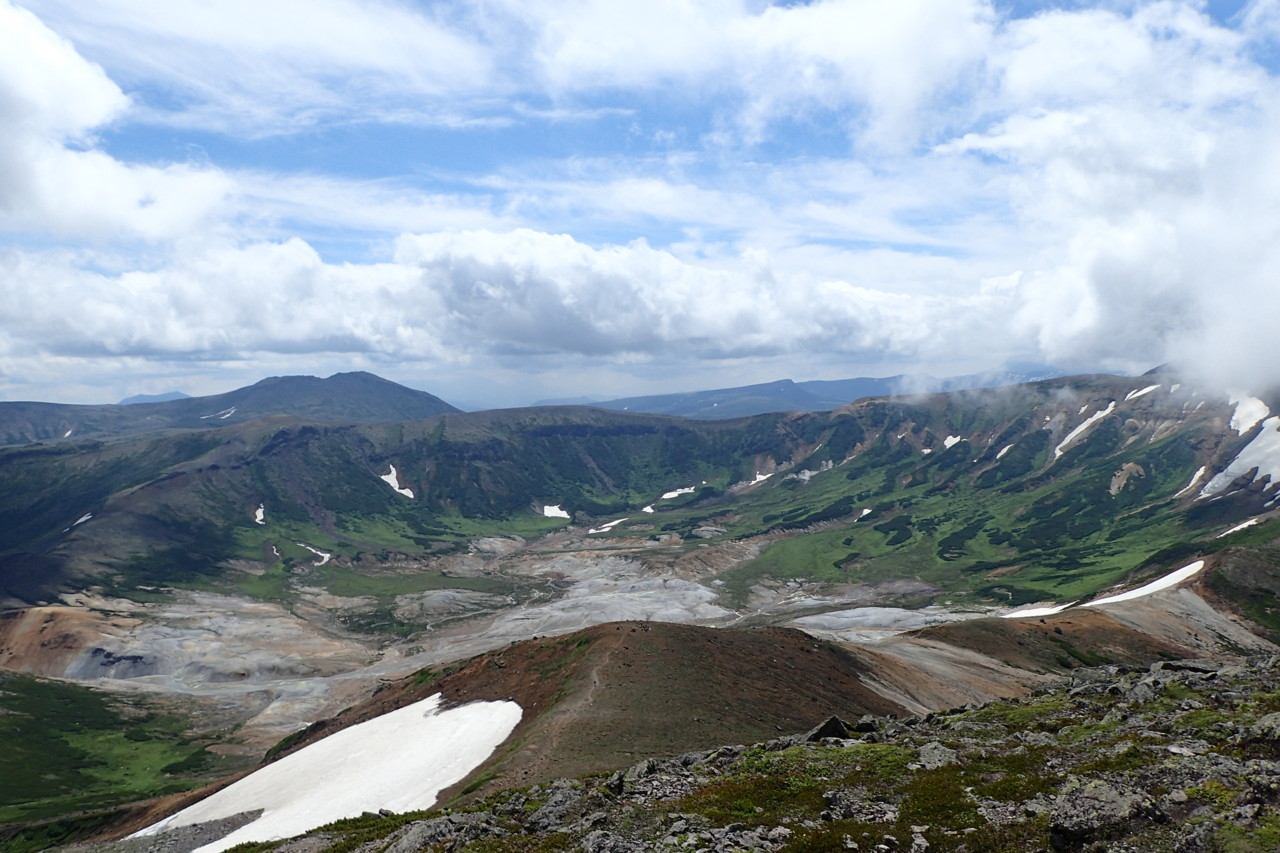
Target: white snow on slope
(393, 480)
(1241, 526)
(554, 512)
(260, 514)
(607, 526)
(760, 478)
(649, 508)
(1262, 453)
(666, 496)
(1084, 427)
(67, 434)
(399, 761)
(1195, 479)
(1036, 611)
(1249, 410)
(950, 441)
(1171, 579)
(324, 558)
(82, 519)
(222, 416)
(926, 450)
(1133, 395)
(1004, 450)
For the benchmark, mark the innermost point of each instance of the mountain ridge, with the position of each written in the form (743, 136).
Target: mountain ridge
(343, 397)
(815, 395)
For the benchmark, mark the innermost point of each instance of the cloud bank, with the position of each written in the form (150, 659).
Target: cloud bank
(692, 191)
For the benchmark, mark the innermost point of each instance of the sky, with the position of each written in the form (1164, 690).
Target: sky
(501, 201)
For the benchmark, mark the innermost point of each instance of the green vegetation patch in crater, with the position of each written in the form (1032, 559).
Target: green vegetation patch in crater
(70, 748)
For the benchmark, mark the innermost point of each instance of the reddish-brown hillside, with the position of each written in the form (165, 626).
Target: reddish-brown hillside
(610, 695)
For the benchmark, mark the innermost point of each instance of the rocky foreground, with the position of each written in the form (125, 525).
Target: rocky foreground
(1183, 756)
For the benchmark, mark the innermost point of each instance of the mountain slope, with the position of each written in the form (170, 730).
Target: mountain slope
(594, 699)
(600, 699)
(1045, 491)
(344, 397)
(1074, 767)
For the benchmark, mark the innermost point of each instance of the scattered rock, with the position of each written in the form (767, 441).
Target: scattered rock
(934, 755)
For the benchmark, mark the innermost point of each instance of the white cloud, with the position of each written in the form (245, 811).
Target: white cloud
(51, 99)
(1090, 185)
(267, 66)
(774, 61)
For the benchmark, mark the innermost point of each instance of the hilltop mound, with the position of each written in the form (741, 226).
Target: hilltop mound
(597, 699)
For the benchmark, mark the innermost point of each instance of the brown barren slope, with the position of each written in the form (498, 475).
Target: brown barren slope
(610, 695)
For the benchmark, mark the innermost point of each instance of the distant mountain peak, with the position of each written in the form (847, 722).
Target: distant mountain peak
(153, 398)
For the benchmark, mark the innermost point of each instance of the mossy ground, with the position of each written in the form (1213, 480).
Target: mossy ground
(70, 749)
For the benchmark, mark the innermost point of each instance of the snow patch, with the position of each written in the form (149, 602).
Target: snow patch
(1036, 611)
(1241, 526)
(1133, 395)
(675, 493)
(950, 441)
(67, 434)
(324, 558)
(1248, 411)
(554, 512)
(260, 514)
(1084, 427)
(604, 528)
(82, 519)
(222, 416)
(399, 761)
(393, 480)
(1262, 453)
(1195, 479)
(760, 478)
(863, 514)
(926, 450)
(1171, 579)
(649, 508)
(1003, 451)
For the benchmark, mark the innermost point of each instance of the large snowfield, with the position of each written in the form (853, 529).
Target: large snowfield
(400, 761)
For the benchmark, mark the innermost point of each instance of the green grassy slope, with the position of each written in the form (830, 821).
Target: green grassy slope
(977, 493)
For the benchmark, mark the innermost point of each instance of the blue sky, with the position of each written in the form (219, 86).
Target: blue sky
(503, 201)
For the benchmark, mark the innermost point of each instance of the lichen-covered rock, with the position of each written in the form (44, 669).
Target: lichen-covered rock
(563, 796)
(451, 832)
(934, 755)
(1088, 810)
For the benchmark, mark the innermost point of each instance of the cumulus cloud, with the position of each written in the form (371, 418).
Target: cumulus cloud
(51, 102)
(476, 294)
